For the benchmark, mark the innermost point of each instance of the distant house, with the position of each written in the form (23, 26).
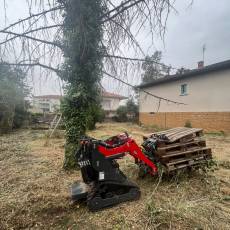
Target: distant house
(46, 104)
(51, 103)
(110, 103)
(205, 91)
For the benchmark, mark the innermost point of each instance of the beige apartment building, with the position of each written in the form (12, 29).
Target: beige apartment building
(205, 91)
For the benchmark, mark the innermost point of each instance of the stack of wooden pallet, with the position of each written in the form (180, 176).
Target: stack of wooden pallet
(181, 147)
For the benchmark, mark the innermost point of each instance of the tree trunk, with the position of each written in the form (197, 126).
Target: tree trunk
(81, 70)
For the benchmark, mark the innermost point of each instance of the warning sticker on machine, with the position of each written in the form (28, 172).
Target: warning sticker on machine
(101, 175)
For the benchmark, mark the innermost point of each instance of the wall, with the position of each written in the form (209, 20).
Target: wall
(208, 103)
(209, 121)
(110, 104)
(206, 93)
(53, 105)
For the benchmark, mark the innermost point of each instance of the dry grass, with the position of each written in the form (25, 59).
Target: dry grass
(34, 190)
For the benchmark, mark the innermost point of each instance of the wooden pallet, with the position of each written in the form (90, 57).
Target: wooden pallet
(163, 150)
(186, 163)
(189, 154)
(183, 166)
(181, 159)
(177, 135)
(181, 147)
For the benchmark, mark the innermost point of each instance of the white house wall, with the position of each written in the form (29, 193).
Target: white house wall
(113, 105)
(206, 93)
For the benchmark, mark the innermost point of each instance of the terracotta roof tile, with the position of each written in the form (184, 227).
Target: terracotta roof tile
(48, 97)
(112, 95)
(104, 94)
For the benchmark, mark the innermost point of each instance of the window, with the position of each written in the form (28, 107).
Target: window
(183, 89)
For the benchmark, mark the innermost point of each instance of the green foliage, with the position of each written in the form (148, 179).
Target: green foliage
(101, 114)
(97, 114)
(152, 128)
(182, 70)
(216, 133)
(21, 114)
(34, 117)
(226, 198)
(81, 71)
(12, 94)
(188, 124)
(128, 112)
(133, 109)
(225, 164)
(152, 210)
(152, 70)
(121, 114)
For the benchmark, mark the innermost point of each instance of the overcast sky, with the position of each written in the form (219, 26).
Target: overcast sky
(205, 22)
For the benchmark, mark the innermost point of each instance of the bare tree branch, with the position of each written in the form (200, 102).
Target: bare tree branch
(122, 9)
(32, 64)
(29, 38)
(116, 8)
(32, 16)
(32, 38)
(28, 32)
(137, 59)
(135, 87)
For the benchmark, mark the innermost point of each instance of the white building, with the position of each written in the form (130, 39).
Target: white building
(51, 103)
(110, 103)
(205, 91)
(46, 104)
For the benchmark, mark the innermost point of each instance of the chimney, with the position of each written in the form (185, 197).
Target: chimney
(200, 64)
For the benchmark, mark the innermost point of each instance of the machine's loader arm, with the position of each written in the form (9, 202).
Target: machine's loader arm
(127, 146)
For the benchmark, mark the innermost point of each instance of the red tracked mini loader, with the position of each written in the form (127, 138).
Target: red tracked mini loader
(104, 184)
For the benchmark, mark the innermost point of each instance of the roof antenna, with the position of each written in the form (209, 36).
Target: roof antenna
(204, 49)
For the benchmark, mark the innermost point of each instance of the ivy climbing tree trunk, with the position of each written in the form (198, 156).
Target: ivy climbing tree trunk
(81, 70)
(38, 38)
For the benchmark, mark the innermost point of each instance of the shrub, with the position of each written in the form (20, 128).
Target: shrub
(35, 117)
(13, 107)
(188, 124)
(128, 112)
(20, 116)
(97, 114)
(121, 114)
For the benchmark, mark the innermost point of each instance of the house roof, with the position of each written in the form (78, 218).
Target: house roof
(112, 95)
(104, 94)
(48, 97)
(192, 73)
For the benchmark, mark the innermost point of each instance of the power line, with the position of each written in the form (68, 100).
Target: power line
(134, 87)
